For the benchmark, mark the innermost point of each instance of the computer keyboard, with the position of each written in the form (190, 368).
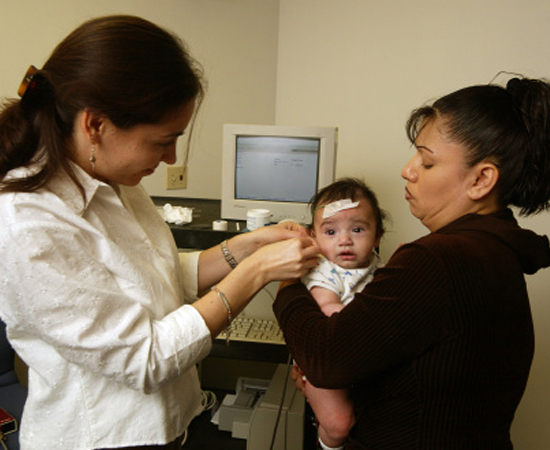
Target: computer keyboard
(255, 329)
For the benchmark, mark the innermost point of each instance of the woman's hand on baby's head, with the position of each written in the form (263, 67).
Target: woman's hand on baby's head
(290, 258)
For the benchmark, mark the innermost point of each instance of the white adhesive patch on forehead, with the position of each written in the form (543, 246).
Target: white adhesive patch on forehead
(337, 206)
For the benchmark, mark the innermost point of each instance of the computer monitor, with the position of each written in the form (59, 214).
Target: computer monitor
(278, 168)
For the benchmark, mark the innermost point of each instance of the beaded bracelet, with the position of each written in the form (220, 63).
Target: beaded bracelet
(229, 313)
(227, 255)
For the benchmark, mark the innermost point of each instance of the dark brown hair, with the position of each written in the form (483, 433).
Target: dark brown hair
(354, 189)
(510, 127)
(125, 67)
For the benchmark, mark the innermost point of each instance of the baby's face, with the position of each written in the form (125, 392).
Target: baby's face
(348, 237)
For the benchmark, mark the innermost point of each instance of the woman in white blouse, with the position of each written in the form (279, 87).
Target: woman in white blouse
(109, 318)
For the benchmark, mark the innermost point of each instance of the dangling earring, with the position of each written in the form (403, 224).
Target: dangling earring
(92, 159)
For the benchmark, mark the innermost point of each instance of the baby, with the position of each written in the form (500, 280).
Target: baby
(347, 224)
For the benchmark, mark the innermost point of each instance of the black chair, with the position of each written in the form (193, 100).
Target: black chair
(12, 393)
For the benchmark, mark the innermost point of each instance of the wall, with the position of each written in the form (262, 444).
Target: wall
(235, 41)
(364, 65)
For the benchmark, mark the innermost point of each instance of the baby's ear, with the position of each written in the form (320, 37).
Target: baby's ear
(310, 231)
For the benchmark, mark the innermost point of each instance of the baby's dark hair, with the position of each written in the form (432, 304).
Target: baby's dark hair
(354, 189)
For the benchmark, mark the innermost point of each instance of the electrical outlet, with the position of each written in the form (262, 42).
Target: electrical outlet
(176, 177)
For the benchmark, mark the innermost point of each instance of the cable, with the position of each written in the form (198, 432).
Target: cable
(281, 404)
(209, 399)
(2, 441)
(268, 293)
(184, 439)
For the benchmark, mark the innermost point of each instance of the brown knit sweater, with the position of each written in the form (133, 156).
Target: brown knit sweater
(437, 349)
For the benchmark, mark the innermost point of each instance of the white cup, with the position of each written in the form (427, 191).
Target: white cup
(220, 225)
(256, 218)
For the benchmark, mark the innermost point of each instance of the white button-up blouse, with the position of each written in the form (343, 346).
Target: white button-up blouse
(93, 296)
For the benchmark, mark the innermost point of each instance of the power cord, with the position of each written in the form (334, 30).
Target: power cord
(2, 441)
(184, 440)
(268, 293)
(208, 401)
(288, 364)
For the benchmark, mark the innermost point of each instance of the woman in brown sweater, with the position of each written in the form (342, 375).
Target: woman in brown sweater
(437, 349)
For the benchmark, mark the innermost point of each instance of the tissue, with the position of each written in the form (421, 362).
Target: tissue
(177, 215)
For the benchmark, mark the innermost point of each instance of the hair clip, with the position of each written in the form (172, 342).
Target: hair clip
(28, 81)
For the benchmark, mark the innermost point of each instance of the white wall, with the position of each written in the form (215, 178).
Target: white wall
(364, 65)
(359, 64)
(235, 41)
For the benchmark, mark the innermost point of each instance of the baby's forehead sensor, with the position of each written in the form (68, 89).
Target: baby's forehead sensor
(330, 209)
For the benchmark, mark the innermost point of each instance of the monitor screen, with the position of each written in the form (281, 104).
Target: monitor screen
(262, 161)
(276, 168)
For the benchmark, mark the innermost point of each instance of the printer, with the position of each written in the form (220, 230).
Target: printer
(263, 410)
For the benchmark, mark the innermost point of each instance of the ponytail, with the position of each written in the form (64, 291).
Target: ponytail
(532, 100)
(27, 128)
(18, 139)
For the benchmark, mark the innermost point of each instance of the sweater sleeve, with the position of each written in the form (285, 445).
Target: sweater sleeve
(393, 320)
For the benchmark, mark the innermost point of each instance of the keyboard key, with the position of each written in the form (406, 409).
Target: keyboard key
(255, 329)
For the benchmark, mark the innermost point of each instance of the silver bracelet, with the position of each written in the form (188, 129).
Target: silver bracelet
(229, 313)
(227, 255)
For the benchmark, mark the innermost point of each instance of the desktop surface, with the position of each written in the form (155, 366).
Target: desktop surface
(199, 235)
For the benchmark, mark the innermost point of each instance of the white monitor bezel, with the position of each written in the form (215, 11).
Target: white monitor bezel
(236, 209)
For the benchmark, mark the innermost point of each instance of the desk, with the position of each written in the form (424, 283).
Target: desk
(250, 351)
(199, 235)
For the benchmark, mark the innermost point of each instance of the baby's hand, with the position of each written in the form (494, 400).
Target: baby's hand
(299, 379)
